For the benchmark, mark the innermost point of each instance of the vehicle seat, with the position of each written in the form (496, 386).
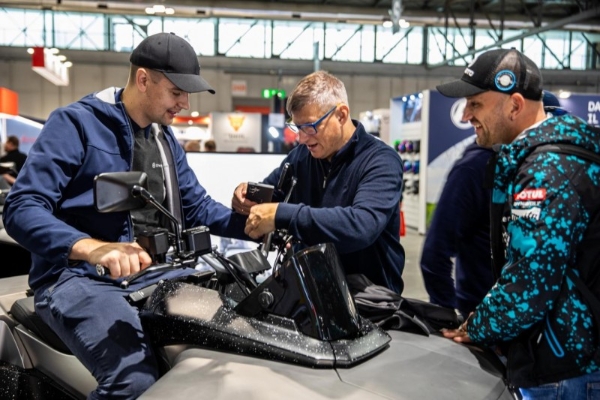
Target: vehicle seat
(23, 311)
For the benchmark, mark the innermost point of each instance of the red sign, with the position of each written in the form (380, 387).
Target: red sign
(45, 63)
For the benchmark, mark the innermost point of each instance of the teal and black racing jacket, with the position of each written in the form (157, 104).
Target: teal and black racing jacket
(549, 209)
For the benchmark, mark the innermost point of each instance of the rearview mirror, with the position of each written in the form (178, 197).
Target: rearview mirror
(113, 191)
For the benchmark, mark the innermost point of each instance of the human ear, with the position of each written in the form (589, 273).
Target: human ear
(517, 104)
(141, 79)
(342, 113)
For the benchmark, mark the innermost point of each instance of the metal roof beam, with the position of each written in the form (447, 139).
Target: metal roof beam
(582, 16)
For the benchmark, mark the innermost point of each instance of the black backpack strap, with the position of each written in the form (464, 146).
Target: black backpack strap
(589, 296)
(569, 149)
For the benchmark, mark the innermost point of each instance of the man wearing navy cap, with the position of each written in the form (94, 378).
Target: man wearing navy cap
(545, 210)
(50, 211)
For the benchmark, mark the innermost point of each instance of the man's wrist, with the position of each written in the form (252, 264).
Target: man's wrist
(463, 326)
(82, 248)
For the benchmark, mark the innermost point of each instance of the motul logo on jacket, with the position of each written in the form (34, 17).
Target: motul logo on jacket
(530, 194)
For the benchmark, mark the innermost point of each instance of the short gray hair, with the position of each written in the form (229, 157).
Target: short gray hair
(320, 88)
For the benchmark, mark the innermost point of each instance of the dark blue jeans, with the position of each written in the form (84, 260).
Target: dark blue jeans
(101, 328)
(586, 387)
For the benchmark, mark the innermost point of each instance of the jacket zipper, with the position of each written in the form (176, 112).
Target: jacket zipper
(326, 175)
(132, 137)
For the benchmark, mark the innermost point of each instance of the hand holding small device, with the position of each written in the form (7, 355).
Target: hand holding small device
(259, 192)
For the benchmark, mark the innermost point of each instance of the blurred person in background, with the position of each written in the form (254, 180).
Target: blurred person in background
(210, 146)
(12, 155)
(192, 146)
(455, 261)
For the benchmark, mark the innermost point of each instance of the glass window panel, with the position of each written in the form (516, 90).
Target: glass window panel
(123, 37)
(242, 38)
(555, 48)
(295, 40)
(199, 32)
(290, 39)
(485, 39)
(21, 27)
(435, 47)
(578, 53)
(389, 49)
(79, 31)
(129, 32)
(394, 48)
(414, 46)
(532, 46)
(342, 42)
(367, 50)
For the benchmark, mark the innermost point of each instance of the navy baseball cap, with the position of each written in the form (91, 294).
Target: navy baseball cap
(502, 70)
(552, 104)
(175, 58)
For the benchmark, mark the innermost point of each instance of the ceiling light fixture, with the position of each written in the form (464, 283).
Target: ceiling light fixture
(159, 9)
(564, 94)
(52, 67)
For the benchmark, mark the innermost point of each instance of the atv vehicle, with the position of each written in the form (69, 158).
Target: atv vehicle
(221, 334)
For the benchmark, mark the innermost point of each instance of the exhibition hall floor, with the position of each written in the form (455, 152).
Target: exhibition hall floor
(413, 280)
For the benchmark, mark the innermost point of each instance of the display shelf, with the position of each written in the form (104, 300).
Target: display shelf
(408, 125)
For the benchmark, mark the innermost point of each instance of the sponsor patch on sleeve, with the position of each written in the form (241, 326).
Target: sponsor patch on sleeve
(529, 198)
(530, 213)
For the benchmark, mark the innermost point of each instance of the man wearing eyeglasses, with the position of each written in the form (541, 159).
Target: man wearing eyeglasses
(348, 190)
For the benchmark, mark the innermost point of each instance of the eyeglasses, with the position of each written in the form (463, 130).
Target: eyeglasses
(311, 128)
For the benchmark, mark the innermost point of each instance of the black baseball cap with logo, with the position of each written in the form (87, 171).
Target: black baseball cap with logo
(175, 58)
(502, 70)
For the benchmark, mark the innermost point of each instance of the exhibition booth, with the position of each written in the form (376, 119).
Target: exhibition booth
(427, 131)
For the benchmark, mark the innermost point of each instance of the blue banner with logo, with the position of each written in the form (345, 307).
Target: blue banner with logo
(585, 106)
(445, 126)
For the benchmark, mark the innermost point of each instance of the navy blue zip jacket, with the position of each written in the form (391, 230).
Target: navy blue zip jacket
(352, 202)
(460, 229)
(51, 206)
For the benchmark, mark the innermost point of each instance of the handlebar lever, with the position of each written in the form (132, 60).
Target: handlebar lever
(157, 267)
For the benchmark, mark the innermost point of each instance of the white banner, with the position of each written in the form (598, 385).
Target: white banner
(236, 132)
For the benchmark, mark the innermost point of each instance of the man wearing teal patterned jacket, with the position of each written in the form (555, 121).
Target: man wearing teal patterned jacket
(547, 207)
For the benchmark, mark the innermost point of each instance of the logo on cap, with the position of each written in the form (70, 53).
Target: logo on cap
(505, 80)
(468, 70)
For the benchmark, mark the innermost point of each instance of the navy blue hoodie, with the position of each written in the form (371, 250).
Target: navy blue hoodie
(51, 206)
(460, 229)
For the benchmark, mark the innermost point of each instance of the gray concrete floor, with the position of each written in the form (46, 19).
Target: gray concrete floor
(413, 280)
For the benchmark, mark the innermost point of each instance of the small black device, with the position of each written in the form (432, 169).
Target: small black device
(259, 192)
